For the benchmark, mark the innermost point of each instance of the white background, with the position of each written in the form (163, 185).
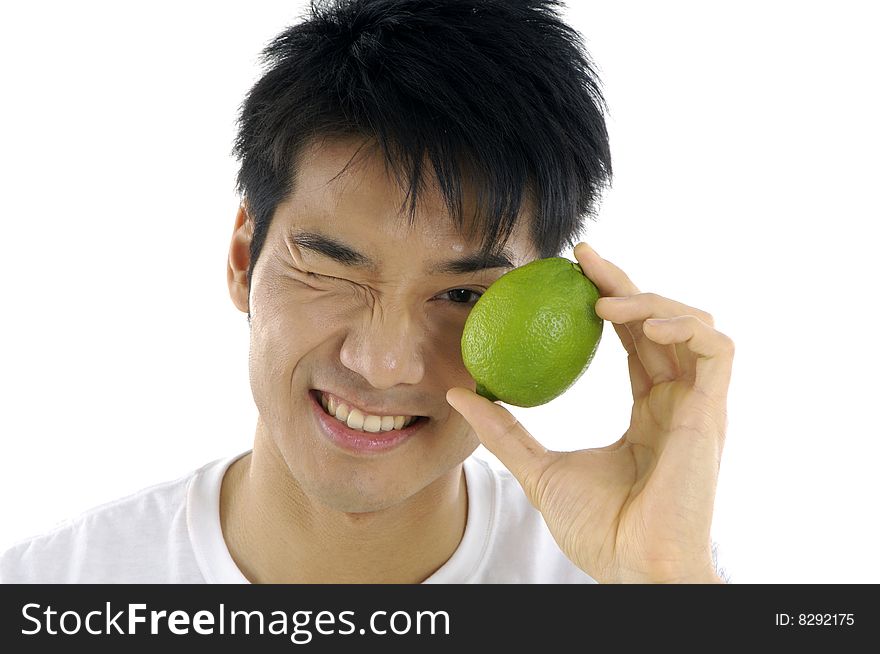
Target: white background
(745, 147)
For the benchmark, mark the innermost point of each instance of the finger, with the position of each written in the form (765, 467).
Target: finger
(503, 435)
(645, 361)
(642, 306)
(639, 380)
(714, 351)
(610, 281)
(660, 363)
(608, 278)
(687, 363)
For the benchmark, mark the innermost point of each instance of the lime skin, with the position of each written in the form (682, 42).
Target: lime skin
(533, 333)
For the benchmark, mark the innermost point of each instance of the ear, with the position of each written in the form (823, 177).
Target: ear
(240, 259)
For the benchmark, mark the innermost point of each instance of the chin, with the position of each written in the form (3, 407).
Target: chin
(354, 484)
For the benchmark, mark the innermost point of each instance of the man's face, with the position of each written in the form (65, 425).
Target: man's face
(387, 336)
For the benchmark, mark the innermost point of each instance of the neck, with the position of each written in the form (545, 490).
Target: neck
(276, 533)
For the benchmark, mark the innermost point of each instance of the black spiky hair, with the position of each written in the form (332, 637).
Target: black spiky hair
(499, 93)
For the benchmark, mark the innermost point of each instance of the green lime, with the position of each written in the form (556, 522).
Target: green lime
(533, 332)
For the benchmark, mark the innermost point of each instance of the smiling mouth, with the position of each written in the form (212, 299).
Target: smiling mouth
(357, 420)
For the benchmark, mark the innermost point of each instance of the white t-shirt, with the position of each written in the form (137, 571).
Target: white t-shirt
(170, 533)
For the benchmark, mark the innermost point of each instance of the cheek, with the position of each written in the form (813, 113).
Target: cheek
(283, 328)
(446, 340)
(290, 319)
(289, 313)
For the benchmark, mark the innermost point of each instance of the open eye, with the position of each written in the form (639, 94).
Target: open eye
(460, 296)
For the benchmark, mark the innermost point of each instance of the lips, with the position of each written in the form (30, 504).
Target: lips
(366, 410)
(360, 442)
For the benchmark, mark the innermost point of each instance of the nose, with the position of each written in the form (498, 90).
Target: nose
(387, 351)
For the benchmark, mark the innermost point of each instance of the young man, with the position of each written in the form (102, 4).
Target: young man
(397, 157)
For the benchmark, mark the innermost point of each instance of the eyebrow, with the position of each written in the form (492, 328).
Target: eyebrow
(346, 255)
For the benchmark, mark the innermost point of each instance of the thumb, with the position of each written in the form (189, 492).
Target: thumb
(504, 436)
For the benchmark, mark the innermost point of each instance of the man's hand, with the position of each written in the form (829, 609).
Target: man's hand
(639, 510)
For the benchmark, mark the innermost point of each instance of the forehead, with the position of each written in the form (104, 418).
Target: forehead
(344, 191)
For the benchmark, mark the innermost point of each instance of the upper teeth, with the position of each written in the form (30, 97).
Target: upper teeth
(356, 419)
